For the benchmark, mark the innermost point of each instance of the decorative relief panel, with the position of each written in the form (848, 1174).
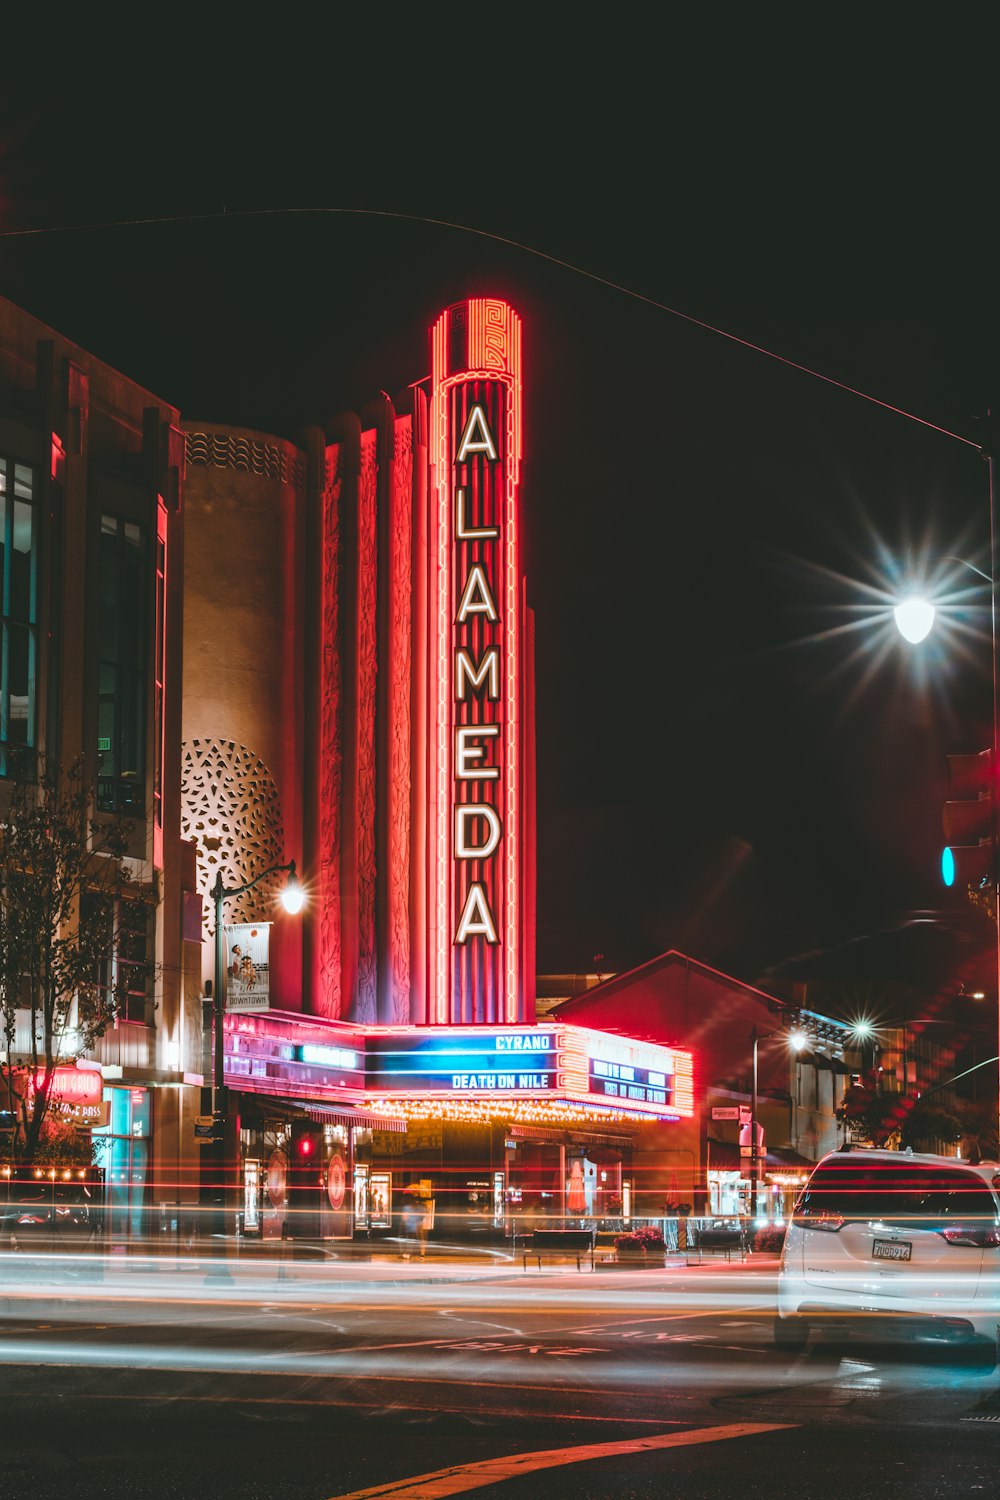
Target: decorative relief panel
(230, 810)
(398, 853)
(365, 1008)
(329, 999)
(221, 450)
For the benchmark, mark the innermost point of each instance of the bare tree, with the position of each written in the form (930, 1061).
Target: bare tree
(62, 878)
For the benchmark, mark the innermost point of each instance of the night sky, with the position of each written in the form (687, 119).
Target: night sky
(737, 756)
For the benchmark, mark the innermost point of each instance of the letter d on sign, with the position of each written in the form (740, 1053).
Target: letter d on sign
(465, 814)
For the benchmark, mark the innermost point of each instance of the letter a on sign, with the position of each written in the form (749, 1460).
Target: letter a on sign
(477, 919)
(477, 437)
(476, 597)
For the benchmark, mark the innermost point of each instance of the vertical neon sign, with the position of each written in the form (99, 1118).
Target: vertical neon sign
(476, 678)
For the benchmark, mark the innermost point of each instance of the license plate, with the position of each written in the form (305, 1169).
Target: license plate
(892, 1250)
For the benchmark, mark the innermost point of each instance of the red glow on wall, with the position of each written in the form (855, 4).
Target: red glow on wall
(477, 676)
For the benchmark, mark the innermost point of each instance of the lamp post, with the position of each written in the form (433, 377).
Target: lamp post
(796, 1040)
(914, 618)
(292, 898)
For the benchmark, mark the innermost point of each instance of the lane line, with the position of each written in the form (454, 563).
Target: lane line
(473, 1476)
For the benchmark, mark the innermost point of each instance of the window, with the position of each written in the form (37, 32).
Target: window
(127, 965)
(121, 705)
(18, 588)
(857, 1189)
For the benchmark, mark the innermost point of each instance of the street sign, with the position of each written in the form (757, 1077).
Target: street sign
(725, 1112)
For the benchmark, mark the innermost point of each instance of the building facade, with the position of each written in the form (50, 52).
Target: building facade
(91, 470)
(359, 697)
(730, 1026)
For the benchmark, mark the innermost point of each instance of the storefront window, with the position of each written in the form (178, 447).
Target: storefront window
(121, 1148)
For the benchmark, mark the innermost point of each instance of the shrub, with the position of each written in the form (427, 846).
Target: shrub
(647, 1238)
(650, 1236)
(769, 1240)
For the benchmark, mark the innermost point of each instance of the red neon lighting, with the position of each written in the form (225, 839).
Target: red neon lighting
(475, 951)
(80, 1084)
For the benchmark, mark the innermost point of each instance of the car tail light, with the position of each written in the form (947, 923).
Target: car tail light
(982, 1238)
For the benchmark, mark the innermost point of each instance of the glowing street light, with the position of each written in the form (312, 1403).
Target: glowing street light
(914, 618)
(796, 1040)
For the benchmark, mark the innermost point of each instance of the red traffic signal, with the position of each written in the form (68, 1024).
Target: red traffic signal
(969, 820)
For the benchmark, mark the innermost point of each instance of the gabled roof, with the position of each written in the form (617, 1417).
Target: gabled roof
(672, 957)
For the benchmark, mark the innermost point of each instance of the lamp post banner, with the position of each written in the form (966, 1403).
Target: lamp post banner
(247, 965)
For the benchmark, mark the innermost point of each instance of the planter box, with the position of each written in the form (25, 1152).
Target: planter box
(642, 1260)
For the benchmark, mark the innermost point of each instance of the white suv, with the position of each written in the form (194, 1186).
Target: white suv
(890, 1241)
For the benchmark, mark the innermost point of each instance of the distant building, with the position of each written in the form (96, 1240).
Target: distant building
(677, 999)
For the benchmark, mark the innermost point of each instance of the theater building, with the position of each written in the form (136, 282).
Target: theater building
(359, 697)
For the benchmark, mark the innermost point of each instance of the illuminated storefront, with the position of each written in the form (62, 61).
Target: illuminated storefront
(495, 1124)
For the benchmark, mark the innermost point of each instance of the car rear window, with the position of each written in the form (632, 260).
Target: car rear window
(856, 1189)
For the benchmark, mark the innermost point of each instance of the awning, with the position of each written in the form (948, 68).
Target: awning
(724, 1156)
(347, 1116)
(829, 1064)
(784, 1156)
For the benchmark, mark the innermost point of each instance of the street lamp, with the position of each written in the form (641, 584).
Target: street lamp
(796, 1040)
(914, 618)
(292, 899)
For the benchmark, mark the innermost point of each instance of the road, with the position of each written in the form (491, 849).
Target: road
(273, 1380)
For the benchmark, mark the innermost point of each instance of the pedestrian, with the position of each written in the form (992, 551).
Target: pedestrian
(410, 1220)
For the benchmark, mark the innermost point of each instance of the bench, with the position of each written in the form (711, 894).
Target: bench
(725, 1242)
(555, 1242)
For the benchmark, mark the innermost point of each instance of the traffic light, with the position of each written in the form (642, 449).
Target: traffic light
(969, 858)
(305, 1178)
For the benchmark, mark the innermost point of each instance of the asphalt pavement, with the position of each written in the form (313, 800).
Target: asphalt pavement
(420, 1379)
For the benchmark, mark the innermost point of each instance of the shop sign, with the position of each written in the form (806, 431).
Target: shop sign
(626, 1081)
(464, 1062)
(329, 1057)
(206, 1128)
(251, 1196)
(636, 1072)
(544, 1058)
(380, 1200)
(73, 1085)
(476, 609)
(248, 966)
(361, 1206)
(83, 1115)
